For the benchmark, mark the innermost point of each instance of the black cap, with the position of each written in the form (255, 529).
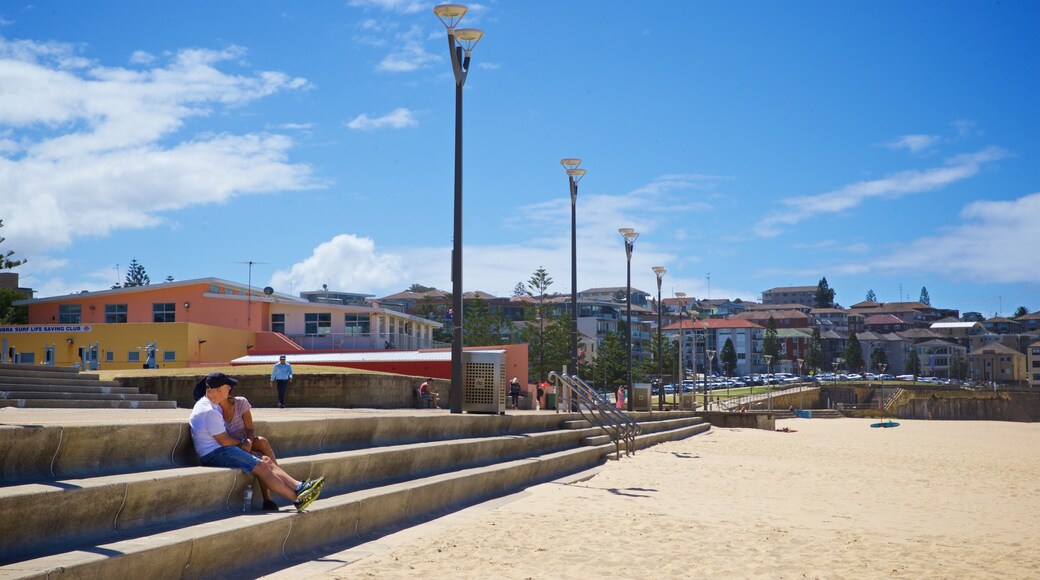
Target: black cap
(217, 380)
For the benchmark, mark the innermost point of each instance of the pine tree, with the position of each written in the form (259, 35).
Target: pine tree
(853, 353)
(925, 298)
(814, 354)
(878, 356)
(728, 357)
(6, 263)
(1020, 311)
(519, 290)
(824, 296)
(871, 297)
(913, 364)
(610, 367)
(135, 275)
(771, 343)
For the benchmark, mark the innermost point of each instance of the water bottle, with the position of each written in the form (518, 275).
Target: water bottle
(247, 498)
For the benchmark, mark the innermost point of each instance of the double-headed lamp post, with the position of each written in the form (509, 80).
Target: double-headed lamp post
(630, 236)
(574, 175)
(460, 44)
(682, 346)
(659, 271)
(769, 371)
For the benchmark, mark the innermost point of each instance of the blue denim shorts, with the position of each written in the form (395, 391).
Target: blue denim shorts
(231, 457)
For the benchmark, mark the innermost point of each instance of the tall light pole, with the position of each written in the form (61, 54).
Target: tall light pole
(801, 390)
(574, 175)
(630, 236)
(881, 404)
(682, 347)
(460, 44)
(711, 359)
(769, 371)
(659, 270)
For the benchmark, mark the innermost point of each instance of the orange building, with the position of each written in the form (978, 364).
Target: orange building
(198, 322)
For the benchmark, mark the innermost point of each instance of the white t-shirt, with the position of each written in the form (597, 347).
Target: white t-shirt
(206, 421)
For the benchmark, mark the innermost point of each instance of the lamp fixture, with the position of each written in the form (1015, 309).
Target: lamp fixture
(187, 305)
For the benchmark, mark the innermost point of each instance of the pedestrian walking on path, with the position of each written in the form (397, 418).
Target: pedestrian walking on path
(281, 375)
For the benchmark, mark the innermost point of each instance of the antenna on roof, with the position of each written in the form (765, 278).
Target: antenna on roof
(249, 292)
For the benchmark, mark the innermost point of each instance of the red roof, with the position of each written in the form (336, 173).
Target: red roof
(712, 323)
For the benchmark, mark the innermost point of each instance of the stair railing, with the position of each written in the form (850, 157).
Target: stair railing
(576, 395)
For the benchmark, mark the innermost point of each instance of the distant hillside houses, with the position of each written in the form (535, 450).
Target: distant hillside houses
(946, 345)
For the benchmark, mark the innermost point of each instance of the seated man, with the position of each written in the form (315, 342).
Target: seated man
(218, 449)
(427, 398)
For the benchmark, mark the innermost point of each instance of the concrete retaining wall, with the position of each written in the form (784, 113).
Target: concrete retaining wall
(335, 390)
(748, 420)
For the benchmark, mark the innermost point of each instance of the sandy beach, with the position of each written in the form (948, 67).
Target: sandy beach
(832, 499)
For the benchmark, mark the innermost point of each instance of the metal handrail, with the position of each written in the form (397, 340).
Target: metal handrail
(613, 421)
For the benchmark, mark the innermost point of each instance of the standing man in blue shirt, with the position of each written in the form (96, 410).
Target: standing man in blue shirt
(281, 375)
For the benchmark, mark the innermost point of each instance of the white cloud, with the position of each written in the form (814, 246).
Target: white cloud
(399, 118)
(409, 55)
(914, 143)
(402, 6)
(99, 149)
(896, 185)
(996, 244)
(142, 57)
(345, 261)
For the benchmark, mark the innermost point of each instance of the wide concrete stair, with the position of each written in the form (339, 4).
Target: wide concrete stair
(65, 387)
(119, 501)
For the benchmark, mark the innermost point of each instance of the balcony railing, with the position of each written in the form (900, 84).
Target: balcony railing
(363, 341)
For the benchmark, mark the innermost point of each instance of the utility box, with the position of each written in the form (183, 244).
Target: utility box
(484, 381)
(688, 401)
(641, 398)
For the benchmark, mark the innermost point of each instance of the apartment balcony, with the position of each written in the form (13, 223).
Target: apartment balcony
(363, 341)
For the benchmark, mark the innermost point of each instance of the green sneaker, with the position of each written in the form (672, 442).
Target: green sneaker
(310, 492)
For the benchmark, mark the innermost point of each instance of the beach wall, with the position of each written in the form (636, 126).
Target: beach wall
(967, 405)
(336, 390)
(748, 420)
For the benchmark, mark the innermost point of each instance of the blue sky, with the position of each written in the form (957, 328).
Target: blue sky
(885, 145)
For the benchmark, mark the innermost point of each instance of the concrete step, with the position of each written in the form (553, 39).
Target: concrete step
(5, 367)
(140, 499)
(249, 544)
(598, 437)
(74, 381)
(57, 512)
(86, 404)
(67, 389)
(83, 396)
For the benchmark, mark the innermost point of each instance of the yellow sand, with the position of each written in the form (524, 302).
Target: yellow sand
(835, 499)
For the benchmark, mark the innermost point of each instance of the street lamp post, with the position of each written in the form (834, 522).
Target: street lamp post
(659, 270)
(574, 175)
(460, 44)
(682, 347)
(630, 236)
(769, 371)
(881, 403)
(711, 358)
(801, 390)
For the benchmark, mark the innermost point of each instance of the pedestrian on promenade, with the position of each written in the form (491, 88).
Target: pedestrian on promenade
(218, 449)
(514, 392)
(281, 375)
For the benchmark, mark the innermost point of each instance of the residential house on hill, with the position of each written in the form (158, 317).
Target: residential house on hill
(1001, 325)
(884, 323)
(839, 320)
(790, 294)
(781, 318)
(1000, 364)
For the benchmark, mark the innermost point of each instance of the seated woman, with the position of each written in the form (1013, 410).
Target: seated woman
(238, 421)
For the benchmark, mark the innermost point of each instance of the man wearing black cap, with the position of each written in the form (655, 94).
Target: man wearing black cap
(218, 449)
